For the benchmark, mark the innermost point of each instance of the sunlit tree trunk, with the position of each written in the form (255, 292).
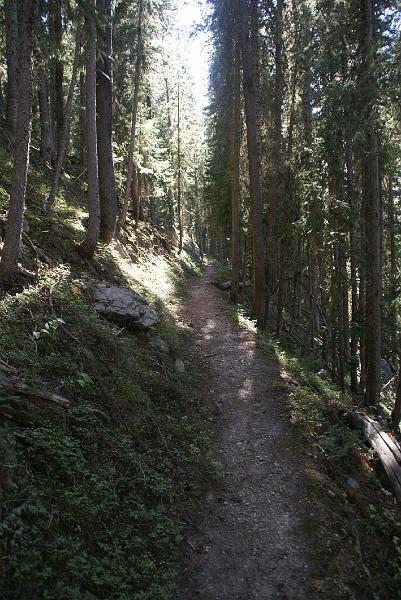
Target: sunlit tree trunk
(88, 246)
(12, 241)
(179, 170)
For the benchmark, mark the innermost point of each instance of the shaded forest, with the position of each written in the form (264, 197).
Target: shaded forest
(116, 191)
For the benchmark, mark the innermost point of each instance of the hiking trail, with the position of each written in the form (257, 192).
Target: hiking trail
(248, 540)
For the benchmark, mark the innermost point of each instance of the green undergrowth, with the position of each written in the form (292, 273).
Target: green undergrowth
(355, 533)
(91, 510)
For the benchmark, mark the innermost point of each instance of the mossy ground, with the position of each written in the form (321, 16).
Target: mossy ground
(94, 511)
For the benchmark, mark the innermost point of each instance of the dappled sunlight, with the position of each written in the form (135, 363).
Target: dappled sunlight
(254, 446)
(154, 274)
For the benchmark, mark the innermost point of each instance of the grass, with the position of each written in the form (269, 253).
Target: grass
(93, 511)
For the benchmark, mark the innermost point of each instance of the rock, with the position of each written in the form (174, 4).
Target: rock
(353, 484)
(192, 248)
(222, 285)
(123, 306)
(179, 366)
(159, 344)
(387, 370)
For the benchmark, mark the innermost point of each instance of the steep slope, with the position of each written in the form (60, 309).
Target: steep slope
(91, 510)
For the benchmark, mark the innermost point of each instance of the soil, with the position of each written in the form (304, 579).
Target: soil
(248, 540)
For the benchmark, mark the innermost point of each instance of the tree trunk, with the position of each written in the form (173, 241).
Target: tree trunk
(234, 173)
(135, 97)
(396, 412)
(65, 132)
(275, 207)
(179, 181)
(88, 246)
(353, 263)
(139, 214)
(1, 100)
(56, 34)
(253, 145)
(45, 124)
(152, 211)
(82, 119)
(134, 194)
(12, 240)
(392, 249)
(373, 211)
(11, 30)
(104, 103)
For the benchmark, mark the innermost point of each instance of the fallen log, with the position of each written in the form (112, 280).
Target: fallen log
(7, 368)
(387, 448)
(30, 406)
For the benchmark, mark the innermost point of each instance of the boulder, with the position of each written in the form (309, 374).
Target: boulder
(192, 248)
(123, 306)
(179, 366)
(353, 484)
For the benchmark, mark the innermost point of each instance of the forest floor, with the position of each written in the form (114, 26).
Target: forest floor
(249, 539)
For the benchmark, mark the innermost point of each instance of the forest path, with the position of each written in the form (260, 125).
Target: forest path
(250, 529)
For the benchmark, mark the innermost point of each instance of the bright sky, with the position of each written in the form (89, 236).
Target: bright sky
(190, 14)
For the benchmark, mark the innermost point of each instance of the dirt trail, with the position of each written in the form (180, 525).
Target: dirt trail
(250, 529)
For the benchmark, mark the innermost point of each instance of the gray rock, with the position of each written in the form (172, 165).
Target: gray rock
(387, 370)
(192, 248)
(159, 344)
(123, 306)
(353, 484)
(179, 366)
(222, 285)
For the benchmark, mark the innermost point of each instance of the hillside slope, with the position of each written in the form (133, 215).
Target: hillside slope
(91, 510)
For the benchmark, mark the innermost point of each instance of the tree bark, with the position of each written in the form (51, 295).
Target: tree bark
(104, 103)
(135, 97)
(353, 262)
(179, 179)
(373, 210)
(88, 246)
(11, 31)
(82, 120)
(44, 109)
(396, 412)
(65, 130)
(275, 188)
(135, 194)
(56, 33)
(253, 145)
(234, 172)
(12, 240)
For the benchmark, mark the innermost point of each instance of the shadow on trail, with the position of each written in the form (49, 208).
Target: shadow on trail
(248, 541)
